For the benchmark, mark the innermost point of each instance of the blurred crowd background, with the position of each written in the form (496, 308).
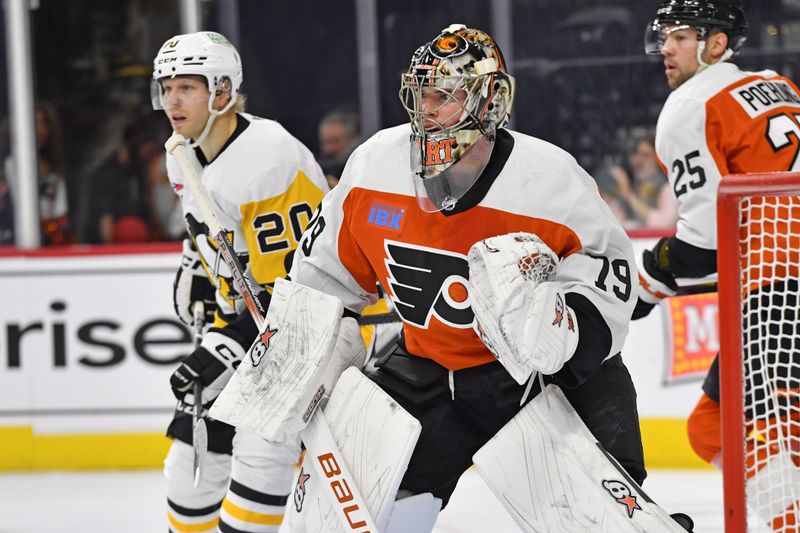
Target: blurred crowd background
(329, 72)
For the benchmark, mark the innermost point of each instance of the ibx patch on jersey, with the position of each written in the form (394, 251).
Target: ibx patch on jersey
(386, 216)
(623, 495)
(260, 348)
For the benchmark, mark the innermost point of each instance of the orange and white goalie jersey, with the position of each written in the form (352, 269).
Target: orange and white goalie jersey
(264, 186)
(370, 229)
(724, 121)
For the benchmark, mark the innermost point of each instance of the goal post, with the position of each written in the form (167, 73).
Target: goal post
(758, 258)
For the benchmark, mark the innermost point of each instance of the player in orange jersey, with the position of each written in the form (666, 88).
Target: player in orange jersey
(719, 120)
(411, 226)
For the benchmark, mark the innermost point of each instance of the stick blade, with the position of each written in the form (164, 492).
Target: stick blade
(200, 447)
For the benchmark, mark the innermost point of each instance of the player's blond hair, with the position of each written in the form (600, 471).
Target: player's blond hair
(241, 103)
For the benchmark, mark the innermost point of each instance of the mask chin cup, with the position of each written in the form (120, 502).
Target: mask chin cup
(437, 191)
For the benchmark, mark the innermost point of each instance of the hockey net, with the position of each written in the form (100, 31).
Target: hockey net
(759, 301)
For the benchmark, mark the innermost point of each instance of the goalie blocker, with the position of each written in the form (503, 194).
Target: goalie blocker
(303, 348)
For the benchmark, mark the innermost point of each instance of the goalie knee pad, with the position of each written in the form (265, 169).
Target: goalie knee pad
(189, 508)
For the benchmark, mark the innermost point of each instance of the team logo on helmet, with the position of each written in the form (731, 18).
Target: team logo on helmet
(448, 45)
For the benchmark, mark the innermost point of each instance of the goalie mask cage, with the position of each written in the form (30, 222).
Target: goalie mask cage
(759, 262)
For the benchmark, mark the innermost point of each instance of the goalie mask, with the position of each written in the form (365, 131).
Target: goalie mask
(207, 54)
(701, 15)
(457, 93)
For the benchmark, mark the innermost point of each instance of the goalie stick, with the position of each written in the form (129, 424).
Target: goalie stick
(700, 288)
(312, 437)
(381, 318)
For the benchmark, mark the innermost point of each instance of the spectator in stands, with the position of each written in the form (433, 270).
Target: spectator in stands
(6, 205)
(119, 187)
(6, 215)
(338, 137)
(648, 194)
(611, 179)
(166, 214)
(53, 202)
(641, 197)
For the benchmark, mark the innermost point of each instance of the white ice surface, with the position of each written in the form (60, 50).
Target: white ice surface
(133, 502)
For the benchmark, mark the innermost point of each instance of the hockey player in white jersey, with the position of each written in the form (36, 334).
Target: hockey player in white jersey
(435, 211)
(265, 186)
(718, 120)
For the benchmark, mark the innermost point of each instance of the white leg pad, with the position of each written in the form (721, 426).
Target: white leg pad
(376, 438)
(551, 474)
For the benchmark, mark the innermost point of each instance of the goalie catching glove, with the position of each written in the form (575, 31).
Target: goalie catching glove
(192, 285)
(521, 316)
(213, 363)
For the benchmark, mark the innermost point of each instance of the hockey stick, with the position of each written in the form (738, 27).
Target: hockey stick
(314, 440)
(199, 430)
(175, 146)
(380, 318)
(700, 288)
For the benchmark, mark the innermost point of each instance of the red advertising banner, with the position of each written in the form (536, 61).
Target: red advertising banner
(691, 335)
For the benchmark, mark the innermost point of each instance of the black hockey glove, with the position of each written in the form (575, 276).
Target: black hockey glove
(655, 280)
(213, 363)
(192, 285)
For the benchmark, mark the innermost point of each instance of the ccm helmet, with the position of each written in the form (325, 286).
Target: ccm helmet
(204, 53)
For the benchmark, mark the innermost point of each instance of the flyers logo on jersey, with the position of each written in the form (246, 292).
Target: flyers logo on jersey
(386, 216)
(439, 151)
(426, 282)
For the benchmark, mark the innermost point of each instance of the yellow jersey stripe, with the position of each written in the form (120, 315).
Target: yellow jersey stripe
(251, 516)
(210, 526)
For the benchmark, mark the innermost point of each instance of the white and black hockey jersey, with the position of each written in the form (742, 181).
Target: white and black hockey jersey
(721, 121)
(265, 186)
(370, 229)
